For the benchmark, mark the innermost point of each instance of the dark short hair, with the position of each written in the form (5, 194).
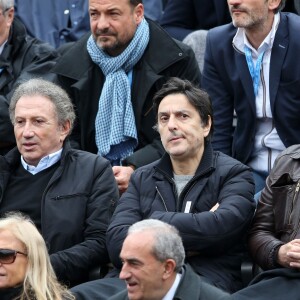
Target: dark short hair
(197, 97)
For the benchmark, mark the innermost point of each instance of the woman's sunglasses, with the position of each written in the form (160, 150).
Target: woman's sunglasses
(8, 256)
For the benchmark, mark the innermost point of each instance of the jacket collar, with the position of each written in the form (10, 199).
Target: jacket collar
(207, 163)
(12, 159)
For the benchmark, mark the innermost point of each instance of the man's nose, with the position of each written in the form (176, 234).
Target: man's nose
(172, 123)
(28, 130)
(125, 273)
(102, 23)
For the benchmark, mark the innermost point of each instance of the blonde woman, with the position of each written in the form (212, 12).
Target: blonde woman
(25, 269)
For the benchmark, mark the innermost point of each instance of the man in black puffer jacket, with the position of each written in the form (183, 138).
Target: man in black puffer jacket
(206, 195)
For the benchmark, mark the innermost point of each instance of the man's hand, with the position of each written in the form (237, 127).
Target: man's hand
(122, 176)
(289, 254)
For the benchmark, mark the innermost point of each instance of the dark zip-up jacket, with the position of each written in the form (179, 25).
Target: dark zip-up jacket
(83, 80)
(76, 208)
(214, 241)
(277, 219)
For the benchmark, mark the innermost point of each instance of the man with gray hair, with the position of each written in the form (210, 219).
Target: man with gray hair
(68, 193)
(153, 266)
(21, 57)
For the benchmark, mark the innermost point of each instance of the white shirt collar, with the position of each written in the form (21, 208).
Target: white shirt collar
(44, 163)
(171, 293)
(240, 39)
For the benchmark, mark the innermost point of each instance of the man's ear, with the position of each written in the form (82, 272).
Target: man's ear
(64, 130)
(170, 266)
(10, 13)
(273, 4)
(139, 13)
(206, 128)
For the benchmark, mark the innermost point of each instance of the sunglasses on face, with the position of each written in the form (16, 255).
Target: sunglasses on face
(8, 256)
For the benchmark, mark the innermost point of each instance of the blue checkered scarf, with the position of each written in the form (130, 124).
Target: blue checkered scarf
(116, 133)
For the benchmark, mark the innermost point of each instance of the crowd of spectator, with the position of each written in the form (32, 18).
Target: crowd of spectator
(142, 167)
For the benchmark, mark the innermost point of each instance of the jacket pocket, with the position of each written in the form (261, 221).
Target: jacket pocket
(285, 194)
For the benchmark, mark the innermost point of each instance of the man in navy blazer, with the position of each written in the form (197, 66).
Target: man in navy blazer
(252, 68)
(182, 17)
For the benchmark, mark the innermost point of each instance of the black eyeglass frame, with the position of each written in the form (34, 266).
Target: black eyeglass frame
(8, 256)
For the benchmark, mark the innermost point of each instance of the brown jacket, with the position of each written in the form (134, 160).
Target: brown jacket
(277, 219)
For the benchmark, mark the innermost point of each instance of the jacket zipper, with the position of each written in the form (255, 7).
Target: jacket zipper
(162, 199)
(294, 198)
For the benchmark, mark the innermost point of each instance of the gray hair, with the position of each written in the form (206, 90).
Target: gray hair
(6, 4)
(40, 87)
(167, 241)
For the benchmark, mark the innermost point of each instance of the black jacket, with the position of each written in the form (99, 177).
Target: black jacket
(76, 208)
(83, 80)
(213, 240)
(191, 287)
(23, 57)
(181, 17)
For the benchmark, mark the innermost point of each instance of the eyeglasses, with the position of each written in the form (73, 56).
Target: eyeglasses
(8, 256)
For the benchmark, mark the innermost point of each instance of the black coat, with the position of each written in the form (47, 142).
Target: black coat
(278, 284)
(76, 207)
(213, 240)
(83, 80)
(181, 17)
(22, 58)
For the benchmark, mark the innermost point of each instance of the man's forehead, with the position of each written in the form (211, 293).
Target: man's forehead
(36, 104)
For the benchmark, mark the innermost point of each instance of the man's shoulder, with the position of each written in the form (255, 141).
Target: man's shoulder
(85, 159)
(120, 296)
(192, 286)
(159, 36)
(225, 161)
(74, 60)
(224, 32)
(290, 153)
(146, 169)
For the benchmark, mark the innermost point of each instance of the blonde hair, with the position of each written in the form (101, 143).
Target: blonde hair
(40, 281)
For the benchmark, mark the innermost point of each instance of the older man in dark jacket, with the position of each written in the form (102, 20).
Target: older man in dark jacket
(21, 57)
(206, 195)
(69, 194)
